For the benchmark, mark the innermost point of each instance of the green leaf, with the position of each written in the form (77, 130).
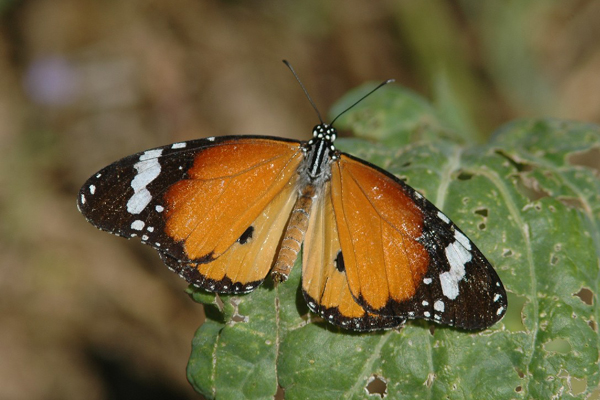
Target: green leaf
(529, 199)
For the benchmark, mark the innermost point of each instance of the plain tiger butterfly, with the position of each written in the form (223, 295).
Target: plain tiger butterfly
(223, 212)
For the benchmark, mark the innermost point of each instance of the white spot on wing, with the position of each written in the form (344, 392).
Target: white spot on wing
(82, 198)
(179, 145)
(150, 154)
(457, 255)
(500, 311)
(211, 139)
(418, 195)
(463, 240)
(425, 303)
(138, 225)
(439, 306)
(427, 281)
(92, 189)
(148, 169)
(159, 208)
(427, 314)
(497, 297)
(443, 217)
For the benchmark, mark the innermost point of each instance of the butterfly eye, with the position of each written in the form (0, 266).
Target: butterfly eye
(246, 236)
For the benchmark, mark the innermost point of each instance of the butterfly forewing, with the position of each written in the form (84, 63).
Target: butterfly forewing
(214, 208)
(406, 259)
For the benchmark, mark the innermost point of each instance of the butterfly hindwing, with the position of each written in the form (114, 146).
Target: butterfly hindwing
(406, 259)
(324, 281)
(245, 264)
(209, 206)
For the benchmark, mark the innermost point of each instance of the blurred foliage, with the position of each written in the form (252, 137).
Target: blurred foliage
(83, 83)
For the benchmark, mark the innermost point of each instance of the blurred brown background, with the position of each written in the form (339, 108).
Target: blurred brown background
(82, 83)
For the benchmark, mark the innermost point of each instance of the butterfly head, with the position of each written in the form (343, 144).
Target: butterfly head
(325, 132)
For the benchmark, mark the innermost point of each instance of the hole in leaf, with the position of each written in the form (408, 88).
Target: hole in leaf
(558, 345)
(219, 302)
(553, 259)
(530, 188)
(578, 386)
(595, 395)
(588, 158)
(513, 320)
(586, 295)
(482, 211)
(519, 165)
(430, 379)
(507, 253)
(237, 317)
(526, 184)
(518, 389)
(280, 393)
(376, 385)
(464, 176)
(593, 325)
(572, 202)
(520, 373)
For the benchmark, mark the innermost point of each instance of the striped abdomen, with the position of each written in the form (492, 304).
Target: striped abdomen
(294, 234)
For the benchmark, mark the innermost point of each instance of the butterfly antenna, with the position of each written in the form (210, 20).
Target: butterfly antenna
(305, 91)
(362, 98)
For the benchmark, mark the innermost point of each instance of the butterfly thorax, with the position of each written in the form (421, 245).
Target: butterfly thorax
(320, 151)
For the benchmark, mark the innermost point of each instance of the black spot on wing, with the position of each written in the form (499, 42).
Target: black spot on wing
(339, 262)
(246, 236)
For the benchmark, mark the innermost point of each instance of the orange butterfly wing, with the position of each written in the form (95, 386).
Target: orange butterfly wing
(324, 281)
(231, 211)
(378, 223)
(217, 212)
(403, 257)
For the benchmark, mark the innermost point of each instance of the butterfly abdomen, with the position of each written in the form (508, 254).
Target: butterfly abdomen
(294, 234)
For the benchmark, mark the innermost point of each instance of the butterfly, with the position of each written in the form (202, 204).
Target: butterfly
(223, 212)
